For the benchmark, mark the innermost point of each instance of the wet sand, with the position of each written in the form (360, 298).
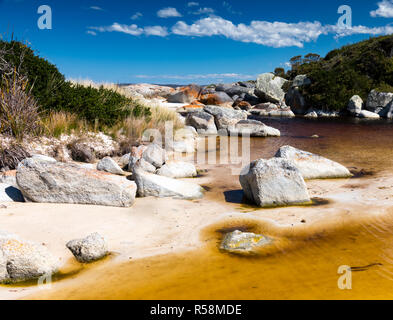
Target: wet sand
(167, 249)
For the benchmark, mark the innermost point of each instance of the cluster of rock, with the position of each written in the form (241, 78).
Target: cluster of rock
(212, 120)
(265, 95)
(43, 179)
(378, 105)
(280, 181)
(22, 260)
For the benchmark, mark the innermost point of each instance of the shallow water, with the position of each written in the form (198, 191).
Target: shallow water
(302, 263)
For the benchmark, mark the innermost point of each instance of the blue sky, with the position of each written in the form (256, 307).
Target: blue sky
(197, 41)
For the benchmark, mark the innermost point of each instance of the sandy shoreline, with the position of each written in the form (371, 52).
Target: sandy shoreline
(163, 226)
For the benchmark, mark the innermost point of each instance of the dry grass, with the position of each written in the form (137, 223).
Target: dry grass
(18, 109)
(11, 156)
(132, 128)
(57, 123)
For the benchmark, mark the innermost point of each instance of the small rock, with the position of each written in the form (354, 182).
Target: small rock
(125, 160)
(203, 122)
(155, 155)
(107, 164)
(81, 152)
(89, 249)
(41, 157)
(163, 187)
(177, 170)
(22, 260)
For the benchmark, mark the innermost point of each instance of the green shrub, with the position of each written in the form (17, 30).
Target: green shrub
(352, 70)
(101, 106)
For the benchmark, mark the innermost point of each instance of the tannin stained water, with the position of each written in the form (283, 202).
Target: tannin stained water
(302, 265)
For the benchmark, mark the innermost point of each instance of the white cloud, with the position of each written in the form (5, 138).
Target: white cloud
(92, 33)
(136, 16)
(156, 31)
(204, 11)
(273, 34)
(385, 9)
(134, 30)
(96, 8)
(341, 32)
(168, 13)
(192, 4)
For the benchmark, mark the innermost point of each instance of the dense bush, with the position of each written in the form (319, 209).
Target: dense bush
(353, 69)
(99, 106)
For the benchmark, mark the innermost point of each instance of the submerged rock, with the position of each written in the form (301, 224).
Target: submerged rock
(22, 260)
(47, 182)
(313, 166)
(274, 182)
(89, 249)
(164, 187)
(107, 164)
(243, 242)
(177, 170)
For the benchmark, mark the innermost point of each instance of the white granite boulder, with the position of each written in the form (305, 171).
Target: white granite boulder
(47, 182)
(313, 166)
(274, 182)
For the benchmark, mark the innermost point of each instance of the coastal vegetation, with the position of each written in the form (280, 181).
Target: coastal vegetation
(351, 70)
(36, 99)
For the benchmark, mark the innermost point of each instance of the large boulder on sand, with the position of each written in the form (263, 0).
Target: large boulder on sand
(107, 164)
(377, 101)
(89, 249)
(243, 242)
(312, 166)
(254, 128)
(163, 187)
(269, 87)
(22, 260)
(225, 117)
(274, 182)
(177, 170)
(203, 122)
(46, 182)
